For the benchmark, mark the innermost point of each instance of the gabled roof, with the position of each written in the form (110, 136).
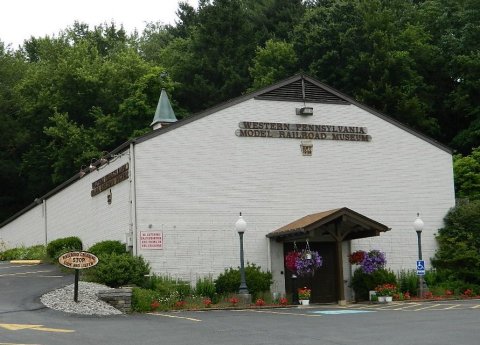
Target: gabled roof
(300, 88)
(360, 226)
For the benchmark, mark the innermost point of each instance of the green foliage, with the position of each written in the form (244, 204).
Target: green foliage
(205, 287)
(362, 282)
(117, 270)
(167, 286)
(274, 62)
(62, 245)
(257, 281)
(65, 99)
(467, 175)
(107, 247)
(408, 281)
(458, 255)
(36, 252)
(142, 299)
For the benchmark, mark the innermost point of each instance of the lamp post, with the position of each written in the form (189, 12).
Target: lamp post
(241, 226)
(418, 226)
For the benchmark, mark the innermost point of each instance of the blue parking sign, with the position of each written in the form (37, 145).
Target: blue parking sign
(420, 267)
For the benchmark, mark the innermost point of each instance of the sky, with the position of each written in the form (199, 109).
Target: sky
(21, 19)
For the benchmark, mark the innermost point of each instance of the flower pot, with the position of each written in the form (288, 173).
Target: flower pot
(388, 299)
(382, 299)
(304, 302)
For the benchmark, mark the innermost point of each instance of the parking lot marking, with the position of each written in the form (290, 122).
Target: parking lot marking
(18, 327)
(23, 273)
(408, 305)
(175, 317)
(16, 344)
(475, 306)
(14, 266)
(343, 311)
(281, 313)
(427, 307)
(452, 307)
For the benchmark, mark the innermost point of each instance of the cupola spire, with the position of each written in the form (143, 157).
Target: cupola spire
(164, 114)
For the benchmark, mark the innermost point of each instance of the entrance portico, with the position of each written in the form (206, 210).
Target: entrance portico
(326, 231)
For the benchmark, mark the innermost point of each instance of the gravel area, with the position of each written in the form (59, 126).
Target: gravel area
(88, 302)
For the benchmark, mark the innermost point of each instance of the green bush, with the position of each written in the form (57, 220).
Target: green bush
(408, 281)
(36, 252)
(205, 287)
(142, 299)
(62, 245)
(108, 247)
(166, 286)
(362, 282)
(257, 281)
(116, 270)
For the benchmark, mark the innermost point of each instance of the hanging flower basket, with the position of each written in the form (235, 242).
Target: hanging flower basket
(303, 263)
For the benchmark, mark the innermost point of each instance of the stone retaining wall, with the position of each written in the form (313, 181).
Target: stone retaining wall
(118, 298)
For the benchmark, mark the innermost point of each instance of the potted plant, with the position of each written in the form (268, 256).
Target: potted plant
(304, 295)
(385, 292)
(303, 263)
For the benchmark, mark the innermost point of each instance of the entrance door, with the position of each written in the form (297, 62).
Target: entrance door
(323, 282)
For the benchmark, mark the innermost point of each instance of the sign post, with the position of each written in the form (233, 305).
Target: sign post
(77, 261)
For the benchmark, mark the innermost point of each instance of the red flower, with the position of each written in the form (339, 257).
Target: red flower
(154, 305)
(357, 257)
(290, 261)
(207, 302)
(448, 292)
(406, 295)
(259, 302)
(283, 301)
(233, 301)
(180, 304)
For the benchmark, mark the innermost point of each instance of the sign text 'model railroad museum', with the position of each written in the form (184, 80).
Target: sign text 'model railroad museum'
(110, 180)
(301, 131)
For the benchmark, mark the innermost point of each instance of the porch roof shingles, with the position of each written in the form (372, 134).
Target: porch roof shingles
(314, 221)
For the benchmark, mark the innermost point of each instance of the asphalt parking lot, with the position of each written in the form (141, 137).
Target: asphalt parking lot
(24, 321)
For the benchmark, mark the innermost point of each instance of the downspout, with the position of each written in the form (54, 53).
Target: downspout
(45, 224)
(133, 201)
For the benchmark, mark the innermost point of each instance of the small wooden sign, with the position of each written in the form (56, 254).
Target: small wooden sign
(78, 260)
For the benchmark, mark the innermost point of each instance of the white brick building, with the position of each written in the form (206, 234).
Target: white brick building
(188, 182)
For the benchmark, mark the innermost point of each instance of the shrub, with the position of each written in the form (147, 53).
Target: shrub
(257, 281)
(407, 281)
(362, 282)
(116, 270)
(36, 252)
(62, 245)
(142, 299)
(166, 286)
(205, 287)
(107, 247)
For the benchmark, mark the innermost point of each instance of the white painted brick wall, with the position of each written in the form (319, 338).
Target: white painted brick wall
(73, 212)
(193, 181)
(25, 231)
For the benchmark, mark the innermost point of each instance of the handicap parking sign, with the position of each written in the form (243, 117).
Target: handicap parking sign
(420, 267)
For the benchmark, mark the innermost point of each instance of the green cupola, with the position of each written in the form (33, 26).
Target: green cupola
(164, 114)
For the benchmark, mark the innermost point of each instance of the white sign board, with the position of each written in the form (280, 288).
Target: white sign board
(151, 240)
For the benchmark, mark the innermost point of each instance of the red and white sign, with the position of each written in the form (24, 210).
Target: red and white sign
(151, 240)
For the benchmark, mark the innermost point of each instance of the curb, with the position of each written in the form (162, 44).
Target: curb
(26, 262)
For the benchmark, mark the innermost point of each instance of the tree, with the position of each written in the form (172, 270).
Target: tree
(274, 62)
(458, 255)
(467, 175)
(371, 50)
